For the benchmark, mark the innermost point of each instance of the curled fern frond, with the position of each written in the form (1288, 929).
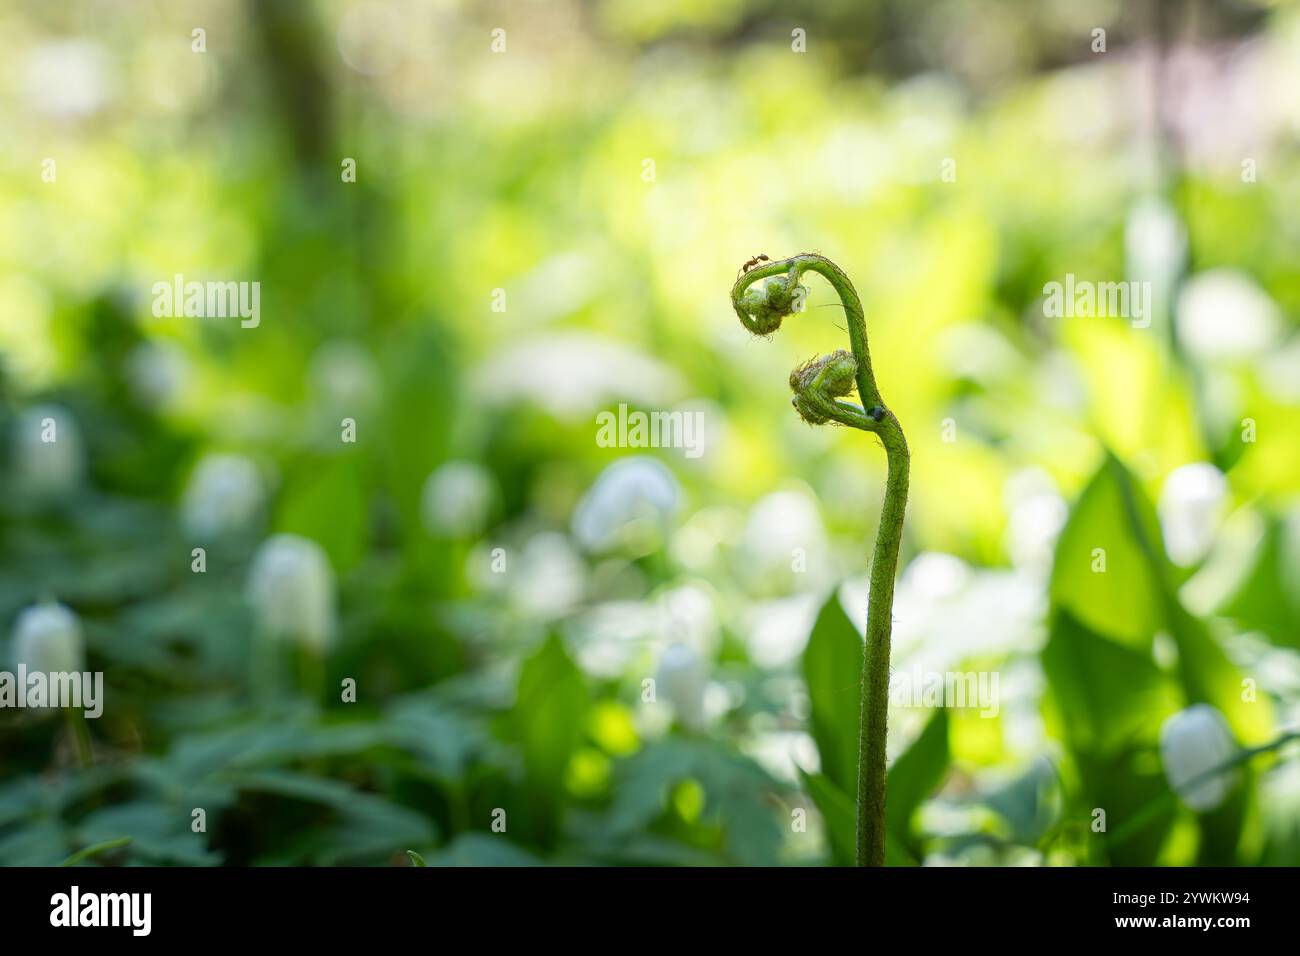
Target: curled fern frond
(820, 386)
(817, 384)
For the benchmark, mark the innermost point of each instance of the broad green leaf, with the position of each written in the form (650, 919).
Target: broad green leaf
(1152, 413)
(325, 500)
(355, 828)
(838, 816)
(19, 798)
(1129, 787)
(1225, 829)
(739, 796)
(1206, 673)
(1109, 696)
(160, 832)
(411, 437)
(291, 738)
(915, 774)
(1110, 701)
(1208, 676)
(1123, 600)
(447, 743)
(549, 720)
(372, 830)
(1028, 802)
(1267, 597)
(39, 843)
(832, 668)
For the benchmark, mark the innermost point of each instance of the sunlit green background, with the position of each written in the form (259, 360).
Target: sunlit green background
(540, 233)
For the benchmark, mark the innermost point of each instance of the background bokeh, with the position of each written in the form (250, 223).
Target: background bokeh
(540, 232)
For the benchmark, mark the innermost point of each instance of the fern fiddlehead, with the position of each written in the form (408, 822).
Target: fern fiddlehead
(820, 387)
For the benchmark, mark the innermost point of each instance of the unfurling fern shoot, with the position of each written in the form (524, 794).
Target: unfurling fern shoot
(820, 387)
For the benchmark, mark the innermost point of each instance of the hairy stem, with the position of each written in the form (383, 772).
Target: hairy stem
(818, 398)
(875, 677)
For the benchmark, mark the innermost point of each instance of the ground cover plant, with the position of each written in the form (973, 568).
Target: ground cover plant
(377, 438)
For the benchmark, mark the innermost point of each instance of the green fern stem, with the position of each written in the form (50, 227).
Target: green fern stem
(819, 388)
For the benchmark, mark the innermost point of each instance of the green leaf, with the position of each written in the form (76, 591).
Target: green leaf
(94, 850)
(1222, 829)
(549, 720)
(739, 797)
(39, 843)
(325, 500)
(1209, 676)
(1123, 601)
(914, 775)
(1109, 696)
(359, 827)
(1129, 786)
(448, 744)
(420, 377)
(839, 815)
(1267, 595)
(1113, 698)
(415, 858)
(836, 808)
(482, 849)
(832, 668)
(160, 832)
(1110, 701)
(1029, 802)
(1136, 596)
(19, 798)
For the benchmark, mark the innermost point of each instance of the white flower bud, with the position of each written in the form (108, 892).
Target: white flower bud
(637, 490)
(291, 588)
(1155, 244)
(49, 456)
(549, 578)
(67, 79)
(781, 525)
(344, 376)
(48, 638)
(157, 372)
(1191, 506)
(1224, 315)
(457, 499)
(1192, 743)
(681, 681)
(224, 497)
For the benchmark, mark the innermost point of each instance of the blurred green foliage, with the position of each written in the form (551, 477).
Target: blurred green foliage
(502, 597)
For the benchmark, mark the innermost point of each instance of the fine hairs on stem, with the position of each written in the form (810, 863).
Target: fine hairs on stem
(820, 387)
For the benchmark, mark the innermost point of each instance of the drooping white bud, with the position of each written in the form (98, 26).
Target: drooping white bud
(637, 492)
(224, 497)
(291, 588)
(1191, 507)
(681, 682)
(457, 499)
(345, 378)
(782, 526)
(1194, 742)
(49, 455)
(1223, 315)
(157, 372)
(549, 578)
(48, 638)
